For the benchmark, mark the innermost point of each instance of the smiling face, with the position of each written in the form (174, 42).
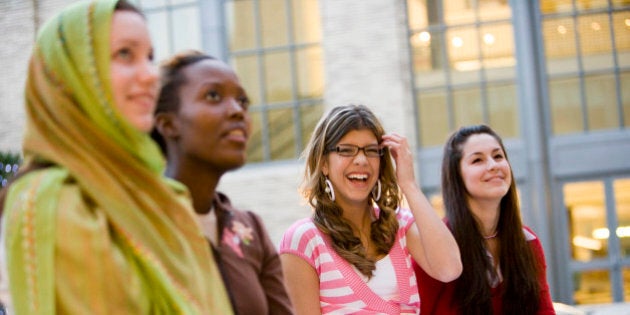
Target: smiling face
(213, 122)
(484, 169)
(134, 77)
(353, 177)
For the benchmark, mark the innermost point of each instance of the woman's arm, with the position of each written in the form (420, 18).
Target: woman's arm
(302, 284)
(429, 241)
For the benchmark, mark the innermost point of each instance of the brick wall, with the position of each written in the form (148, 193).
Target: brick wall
(366, 59)
(18, 22)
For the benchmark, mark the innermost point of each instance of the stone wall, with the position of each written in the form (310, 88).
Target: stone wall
(19, 21)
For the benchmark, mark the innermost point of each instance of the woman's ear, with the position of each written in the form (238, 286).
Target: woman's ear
(325, 167)
(166, 125)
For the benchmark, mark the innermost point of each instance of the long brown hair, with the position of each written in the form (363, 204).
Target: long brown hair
(328, 215)
(519, 268)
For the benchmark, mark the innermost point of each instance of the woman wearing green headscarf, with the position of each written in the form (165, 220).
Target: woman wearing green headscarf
(91, 226)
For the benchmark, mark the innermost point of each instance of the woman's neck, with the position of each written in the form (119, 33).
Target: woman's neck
(201, 184)
(487, 214)
(357, 215)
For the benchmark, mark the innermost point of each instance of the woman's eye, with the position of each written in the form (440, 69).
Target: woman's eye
(213, 96)
(244, 101)
(123, 54)
(498, 156)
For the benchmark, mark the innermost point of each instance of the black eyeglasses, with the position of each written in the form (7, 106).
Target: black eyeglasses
(350, 150)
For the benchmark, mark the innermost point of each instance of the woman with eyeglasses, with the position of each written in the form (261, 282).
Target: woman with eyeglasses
(354, 255)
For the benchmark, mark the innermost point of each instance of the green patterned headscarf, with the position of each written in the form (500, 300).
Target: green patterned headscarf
(99, 231)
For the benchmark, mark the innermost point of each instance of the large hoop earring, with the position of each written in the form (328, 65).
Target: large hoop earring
(329, 190)
(376, 191)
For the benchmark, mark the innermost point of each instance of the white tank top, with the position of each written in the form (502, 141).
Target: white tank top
(383, 281)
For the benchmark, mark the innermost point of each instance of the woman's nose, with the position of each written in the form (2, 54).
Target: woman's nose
(148, 72)
(492, 164)
(360, 157)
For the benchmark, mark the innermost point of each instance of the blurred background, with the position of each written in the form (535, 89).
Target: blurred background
(552, 77)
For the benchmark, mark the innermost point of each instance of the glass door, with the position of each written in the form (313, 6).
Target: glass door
(599, 258)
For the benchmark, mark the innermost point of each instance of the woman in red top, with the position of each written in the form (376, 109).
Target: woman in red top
(504, 263)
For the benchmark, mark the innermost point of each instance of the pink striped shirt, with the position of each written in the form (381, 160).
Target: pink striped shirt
(341, 289)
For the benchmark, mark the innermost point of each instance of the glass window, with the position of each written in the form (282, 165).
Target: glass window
(567, 6)
(566, 112)
(587, 217)
(464, 55)
(595, 42)
(588, 41)
(282, 135)
(160, 34)
(428, 57)
(308, 30)
(601, 111)
(621, 29)
(255, 148)
(310, 78)
(420, 12)
(174, 25)
(150, 4)
(467, 107)
(625, 96)
(462, 52)
(560, 47)
(274, 47)
(309, 116)
(622, 204)
(497, 51)
(503, 116)
(240, 24)
(251, 82)
(594, 209)
(592, 287)
(278, 80)
(187, 28)
(273, 22)
(433, 117)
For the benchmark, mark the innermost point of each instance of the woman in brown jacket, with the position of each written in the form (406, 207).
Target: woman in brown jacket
(202, 124)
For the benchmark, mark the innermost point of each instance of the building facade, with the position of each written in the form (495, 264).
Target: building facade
(552, 77)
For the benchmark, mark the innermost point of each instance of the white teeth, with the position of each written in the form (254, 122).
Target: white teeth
(357, 176)
(237, 132)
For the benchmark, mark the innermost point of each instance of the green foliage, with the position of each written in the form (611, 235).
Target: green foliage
(9, 164)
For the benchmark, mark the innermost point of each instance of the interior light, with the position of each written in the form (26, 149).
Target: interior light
(457, 41)
(603, 233)
(424, 36)
(623, 231)
(627, 21)
(561, 29)
(586, 242)
(488, 39)
(595, 26)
